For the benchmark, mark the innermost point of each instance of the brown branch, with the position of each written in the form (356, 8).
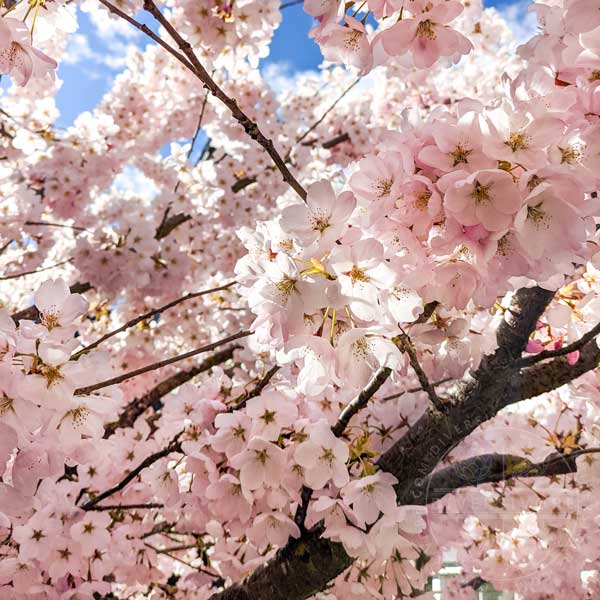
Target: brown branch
(47, 224)
(139, 405)
(520, 320)
(250, 127)
(34, 271)
(173, 446)
(146, 30)
(361, 400)
(168, 224)
(242, 399)
(405, 344)
(151, 313)
(415, 389)
(338, 139)
(199, 126)
(486, 468)
(147, 506)
(573, 347)
(324, 115)
(160, 364)
(548, 376)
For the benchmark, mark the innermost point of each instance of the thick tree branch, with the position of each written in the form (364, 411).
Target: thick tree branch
(545, 377)
(520, 320)
(486, 468)
(573, 347)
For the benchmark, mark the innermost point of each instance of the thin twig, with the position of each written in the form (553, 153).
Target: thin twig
(361, 400)
(338, 429)
(48, 224)
(148, 505)
(173, 446)
(145, 29)
(405, 344)
(17, 275)
(242, 399)
(151, 313)
(139, 405)
(250, 127)
(160, 364)
(200, 119)
(324, 115)
(415, 389)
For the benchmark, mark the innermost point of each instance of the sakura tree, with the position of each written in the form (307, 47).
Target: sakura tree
(358, 333)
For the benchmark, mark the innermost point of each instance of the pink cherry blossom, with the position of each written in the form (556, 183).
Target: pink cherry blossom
(18, 57)
(427, 36)
(488, 197)
(323, 458)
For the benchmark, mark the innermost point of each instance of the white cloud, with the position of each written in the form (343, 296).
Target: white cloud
(282, 76)
(521, 22)
(79, 50)
(109, 27)
(132, 180)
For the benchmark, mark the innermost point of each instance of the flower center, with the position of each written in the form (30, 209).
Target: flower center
(517, 141)
(286, 286)
(357, 274)
(481, 193)
(383, 187)
(328, 456)
(460, 155)
(425, 29)
(539, 216)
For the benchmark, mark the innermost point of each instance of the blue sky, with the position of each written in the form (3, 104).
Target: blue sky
(99, 51)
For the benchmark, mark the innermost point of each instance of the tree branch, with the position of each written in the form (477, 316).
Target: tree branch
(151, 313)
(405, 344)
(173, 446)
(139, 405)
(520, 320)
(573, 347)
(34, 271)
(242, 399)
(324, 115)
(361, 400)
(250, 127)
(486, 468)
(160, 364)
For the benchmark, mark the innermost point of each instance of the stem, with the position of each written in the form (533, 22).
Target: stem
(151, 313)
(159, 364)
